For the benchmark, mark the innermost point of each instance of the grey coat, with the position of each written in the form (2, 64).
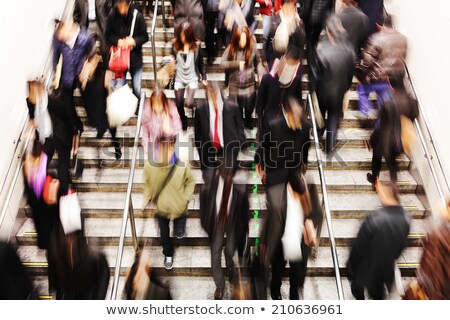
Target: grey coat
(191, 11)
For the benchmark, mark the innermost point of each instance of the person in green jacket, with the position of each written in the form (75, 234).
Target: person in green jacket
(171, 194)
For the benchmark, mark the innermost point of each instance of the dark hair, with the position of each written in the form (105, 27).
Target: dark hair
(387, 21)
(37, 148)
(234, 44)
(159, 95)
(188, 31)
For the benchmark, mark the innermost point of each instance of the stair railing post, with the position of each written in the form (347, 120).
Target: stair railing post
(327, 213)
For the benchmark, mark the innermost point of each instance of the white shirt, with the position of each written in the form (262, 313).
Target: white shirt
(91, 14)
(42, 118)
(212, 117)
(219, 196)
(293, 230)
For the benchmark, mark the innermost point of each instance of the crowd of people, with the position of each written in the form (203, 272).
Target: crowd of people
(262, 91)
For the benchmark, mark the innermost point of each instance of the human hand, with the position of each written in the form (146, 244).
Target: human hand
(121, 43)
(130, 42)
(241, 65)
(205, 82)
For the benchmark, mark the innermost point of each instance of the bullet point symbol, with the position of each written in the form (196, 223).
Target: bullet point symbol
(262, 309)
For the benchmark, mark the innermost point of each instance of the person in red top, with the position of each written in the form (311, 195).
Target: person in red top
(265, 9)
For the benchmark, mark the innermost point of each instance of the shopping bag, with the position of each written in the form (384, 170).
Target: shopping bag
(120, 106)
(70, 212)
(50, 191)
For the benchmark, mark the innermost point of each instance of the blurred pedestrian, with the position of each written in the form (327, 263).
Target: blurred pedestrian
(169, 184)
(314, 16)
(224, 209)
(190, 11)
(286, 31)
(73, 44)
(374, 9)
(386, 141)
(213, 20)
(303, 215)
(219, 130)
(433, 274)
(76, 271)
(117, 33)
(382, 61)
(35, 173)
(336, 58)
(93, 14)
(356, 23)
(187, 53)
(15, 282)
(142, 284)
(160, 119)
(380, 241)
(241, 60)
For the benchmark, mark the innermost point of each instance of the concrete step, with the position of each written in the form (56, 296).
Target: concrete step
(344, 159)
(344, 181)
(347, 137)
(196, 261)
(345, 230)
(202, 288)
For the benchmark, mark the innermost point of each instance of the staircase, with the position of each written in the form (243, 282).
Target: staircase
(102, 194)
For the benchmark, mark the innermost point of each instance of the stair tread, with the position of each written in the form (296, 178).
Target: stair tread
(200, 257)
(95, 227)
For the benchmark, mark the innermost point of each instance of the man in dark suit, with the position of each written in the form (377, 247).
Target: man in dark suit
(219, 129)
(224, 210)
(379, 243)
(355, 22)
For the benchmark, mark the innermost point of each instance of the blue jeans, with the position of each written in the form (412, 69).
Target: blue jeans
(382, 89)
(266, 22)
(136, 78)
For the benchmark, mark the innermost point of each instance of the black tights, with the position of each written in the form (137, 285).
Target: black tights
(181, 103)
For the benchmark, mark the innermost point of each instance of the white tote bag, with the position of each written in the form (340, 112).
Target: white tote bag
(293, 230)
(120, 106)
(70, 213)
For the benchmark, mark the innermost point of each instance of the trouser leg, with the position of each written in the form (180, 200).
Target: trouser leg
(376, 163)
(332, 127)
(179, 224)
(63, 166)
(165, 236)
(363, 94)
(278, 266)
(216, 257)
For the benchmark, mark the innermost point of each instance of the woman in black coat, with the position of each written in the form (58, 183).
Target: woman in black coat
(336, 59)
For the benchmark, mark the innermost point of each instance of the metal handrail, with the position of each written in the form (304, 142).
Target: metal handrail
(334, 255)
(152, 36)
(28, 136)
(128, 209)
(428, 156)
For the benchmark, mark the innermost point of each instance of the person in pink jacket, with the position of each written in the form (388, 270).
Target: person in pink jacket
(160, 118)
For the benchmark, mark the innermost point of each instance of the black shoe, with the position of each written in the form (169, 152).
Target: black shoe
(276, 295)
(179, 234)
(372, 179)
(218, 294)
(117, 150)
(293, 295)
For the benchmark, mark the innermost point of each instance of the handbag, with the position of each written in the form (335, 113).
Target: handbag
(50, 191)
(121, 106)
(70, 212)
(119, 60)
